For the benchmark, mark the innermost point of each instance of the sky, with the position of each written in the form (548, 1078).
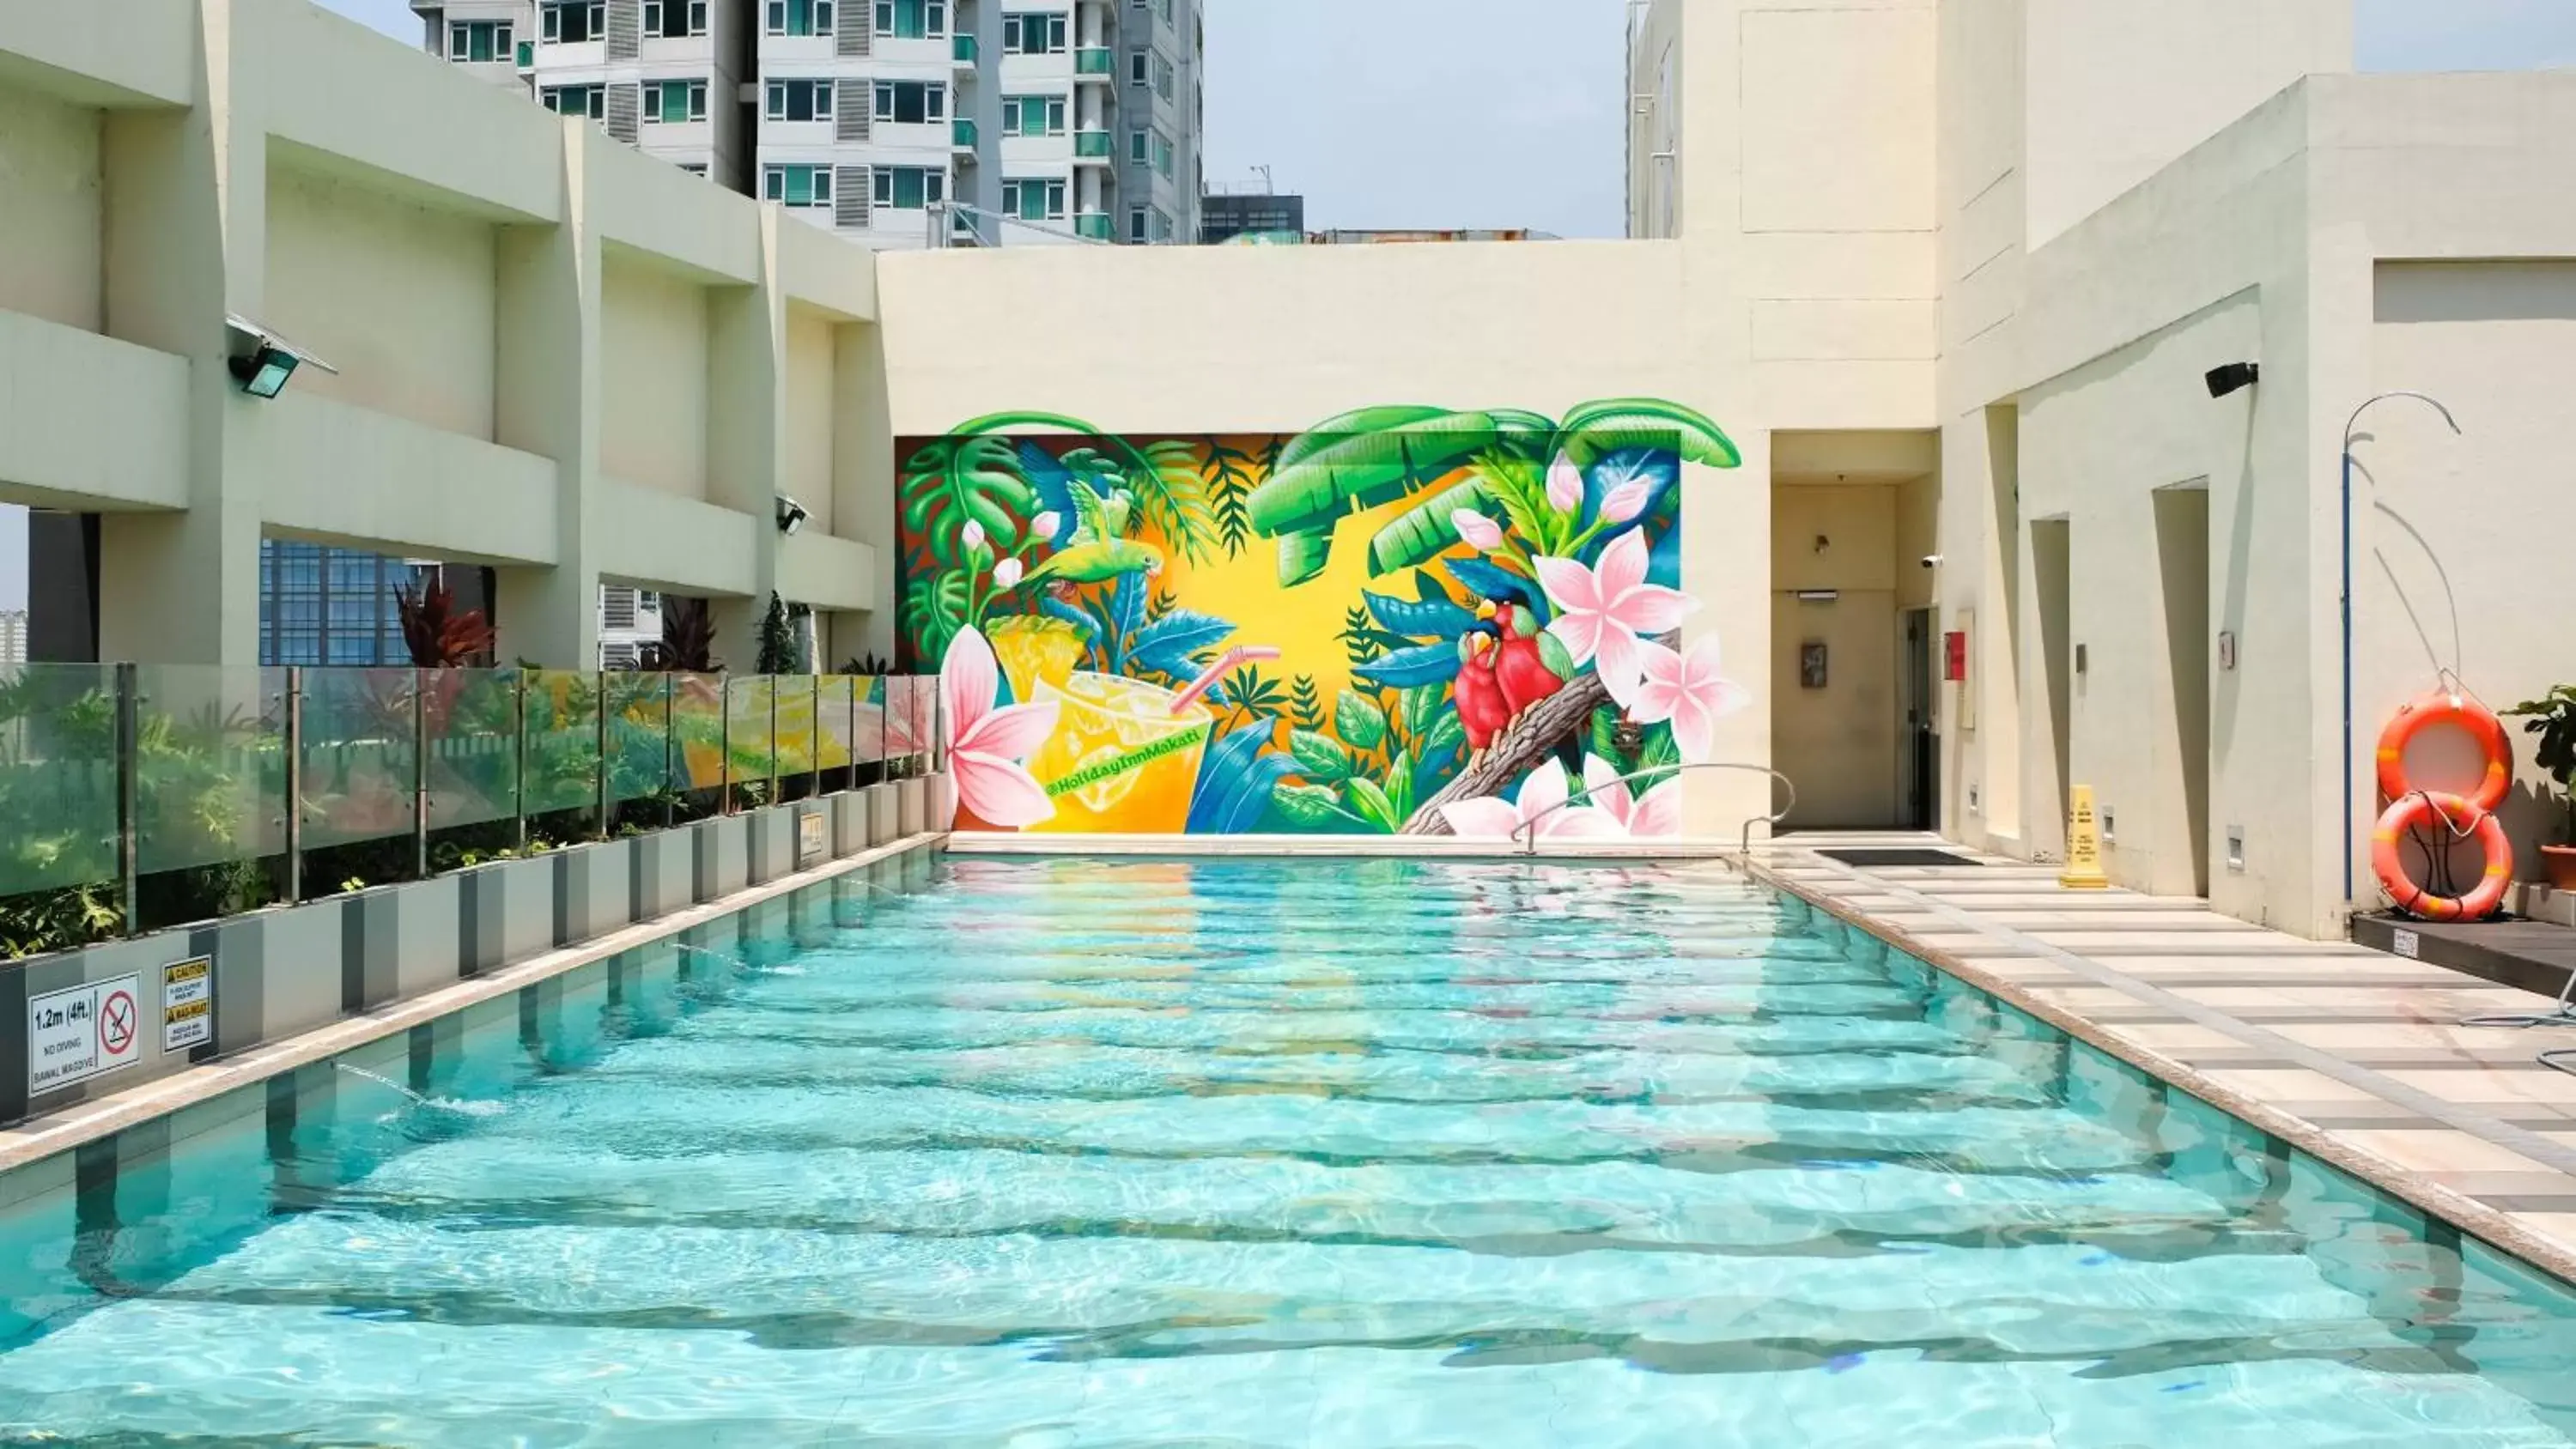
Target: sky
(1508, 113)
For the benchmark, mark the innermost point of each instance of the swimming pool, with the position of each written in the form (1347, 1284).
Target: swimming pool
(1045, 1152)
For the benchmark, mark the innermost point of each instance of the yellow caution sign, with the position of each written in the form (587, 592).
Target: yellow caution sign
(2083, 843)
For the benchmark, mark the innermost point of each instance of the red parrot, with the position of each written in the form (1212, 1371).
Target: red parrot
(1479, 693)
(1531, 664)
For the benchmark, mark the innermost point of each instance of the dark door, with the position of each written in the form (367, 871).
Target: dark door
(1918, 748)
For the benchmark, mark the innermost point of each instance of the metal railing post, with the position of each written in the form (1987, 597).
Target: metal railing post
(294, 784)
(519, 758)
(814, 738)
(724, 744)
(125, 770)
(599, 711)
(420, 774)
(670, 733)
(773, 737)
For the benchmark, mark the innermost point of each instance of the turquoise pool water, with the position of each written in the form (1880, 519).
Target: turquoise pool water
(1034, 1153)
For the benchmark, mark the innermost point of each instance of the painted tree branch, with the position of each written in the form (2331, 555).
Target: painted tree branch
(1530, 739)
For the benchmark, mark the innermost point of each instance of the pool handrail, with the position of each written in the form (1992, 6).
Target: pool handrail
(1525, 834)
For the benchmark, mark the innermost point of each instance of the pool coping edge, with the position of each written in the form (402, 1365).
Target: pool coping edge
(2490, 1225)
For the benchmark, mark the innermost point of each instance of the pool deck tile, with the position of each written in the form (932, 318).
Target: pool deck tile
(2356, 1057)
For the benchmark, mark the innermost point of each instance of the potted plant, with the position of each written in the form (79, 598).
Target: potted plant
(2553, 718)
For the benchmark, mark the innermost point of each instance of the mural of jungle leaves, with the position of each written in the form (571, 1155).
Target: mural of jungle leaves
(1106, 574)
(1319, 757)
(1596, 428)
(1405, 668)
(1177, 643)
(1305, 704)
(1432, 617)
(1426, 530)
(977, 479)
(1236, 783)
(1361, 724)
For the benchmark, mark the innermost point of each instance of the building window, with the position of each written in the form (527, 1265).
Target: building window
(912, 19)
(911, 102)
(908, 188)
(1033, 199)
(1162, 225)
(1163, 155)
(1033, 34)
(322, 605)
(800, 100)
(800, 17)
(797, 185)
(675, 19)
(570, 22)
(1136, 147)
(478, 41)
(1162, 77)
(591, 101)
(1136, 69)
(1032, 115)
(670, 102)
(1136, 224)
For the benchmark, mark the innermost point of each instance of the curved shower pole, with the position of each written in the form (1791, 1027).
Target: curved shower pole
(2350, 426)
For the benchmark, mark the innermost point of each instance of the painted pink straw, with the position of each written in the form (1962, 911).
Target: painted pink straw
(1228, 662)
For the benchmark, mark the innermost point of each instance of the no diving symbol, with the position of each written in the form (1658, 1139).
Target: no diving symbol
(116, 1023)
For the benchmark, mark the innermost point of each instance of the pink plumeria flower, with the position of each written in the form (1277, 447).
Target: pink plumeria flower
(1043, 527)
(1625, 502)
(1604, 614)
(1564, 484)
(1657, 812)
(972, 535)
(1687, 690)
(986, 745)
(1480, 532)
(1542, 790)
(1006, 574)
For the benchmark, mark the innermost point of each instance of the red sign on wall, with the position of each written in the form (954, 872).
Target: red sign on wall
(1954, 656)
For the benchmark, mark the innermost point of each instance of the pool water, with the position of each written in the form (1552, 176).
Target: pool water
(1052, 1153)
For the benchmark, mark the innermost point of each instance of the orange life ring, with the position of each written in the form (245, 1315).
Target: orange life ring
(2437, 708)
(2456, 814)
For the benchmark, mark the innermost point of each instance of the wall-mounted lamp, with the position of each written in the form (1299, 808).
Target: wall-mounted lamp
(1819, 596)
(262, 361)
(791, 515)
(2234, 377)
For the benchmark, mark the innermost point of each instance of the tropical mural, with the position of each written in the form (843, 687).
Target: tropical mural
(1406, 620)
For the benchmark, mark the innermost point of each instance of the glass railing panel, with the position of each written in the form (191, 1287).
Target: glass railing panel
(795, 714)
(747, 729)
(640, 753)
(209, 766)
(360, 748)
(833, 732)
(57, 776)
(698, 729)
(561, 742)
(470, 727)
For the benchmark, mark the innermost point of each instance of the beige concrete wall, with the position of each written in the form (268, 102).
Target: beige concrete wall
(2117, 90)
(653, 396)
(398, 295)
(2463, 543)
(806, 474)
(53, 230)
(1838, 743)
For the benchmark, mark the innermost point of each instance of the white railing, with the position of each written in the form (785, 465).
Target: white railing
(1526, 834)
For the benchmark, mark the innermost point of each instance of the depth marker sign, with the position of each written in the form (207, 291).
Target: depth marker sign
(79, 1032)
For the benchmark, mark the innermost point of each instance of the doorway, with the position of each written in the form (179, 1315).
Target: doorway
(2051, 546)
(1919, 748)
(2182, 559)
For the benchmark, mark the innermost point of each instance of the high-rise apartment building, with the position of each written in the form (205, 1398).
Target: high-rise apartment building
(900, 123)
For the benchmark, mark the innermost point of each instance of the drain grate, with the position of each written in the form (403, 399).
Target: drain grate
(1900, 855)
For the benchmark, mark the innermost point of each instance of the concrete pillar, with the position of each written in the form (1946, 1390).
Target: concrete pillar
(863, 480)
(746, 420)
(549, 404)
(186, 243)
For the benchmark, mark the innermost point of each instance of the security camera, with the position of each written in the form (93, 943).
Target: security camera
(1931, 560)
(791, 515)
(261, 361)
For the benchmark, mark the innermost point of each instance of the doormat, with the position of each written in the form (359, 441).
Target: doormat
(1900, 855)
